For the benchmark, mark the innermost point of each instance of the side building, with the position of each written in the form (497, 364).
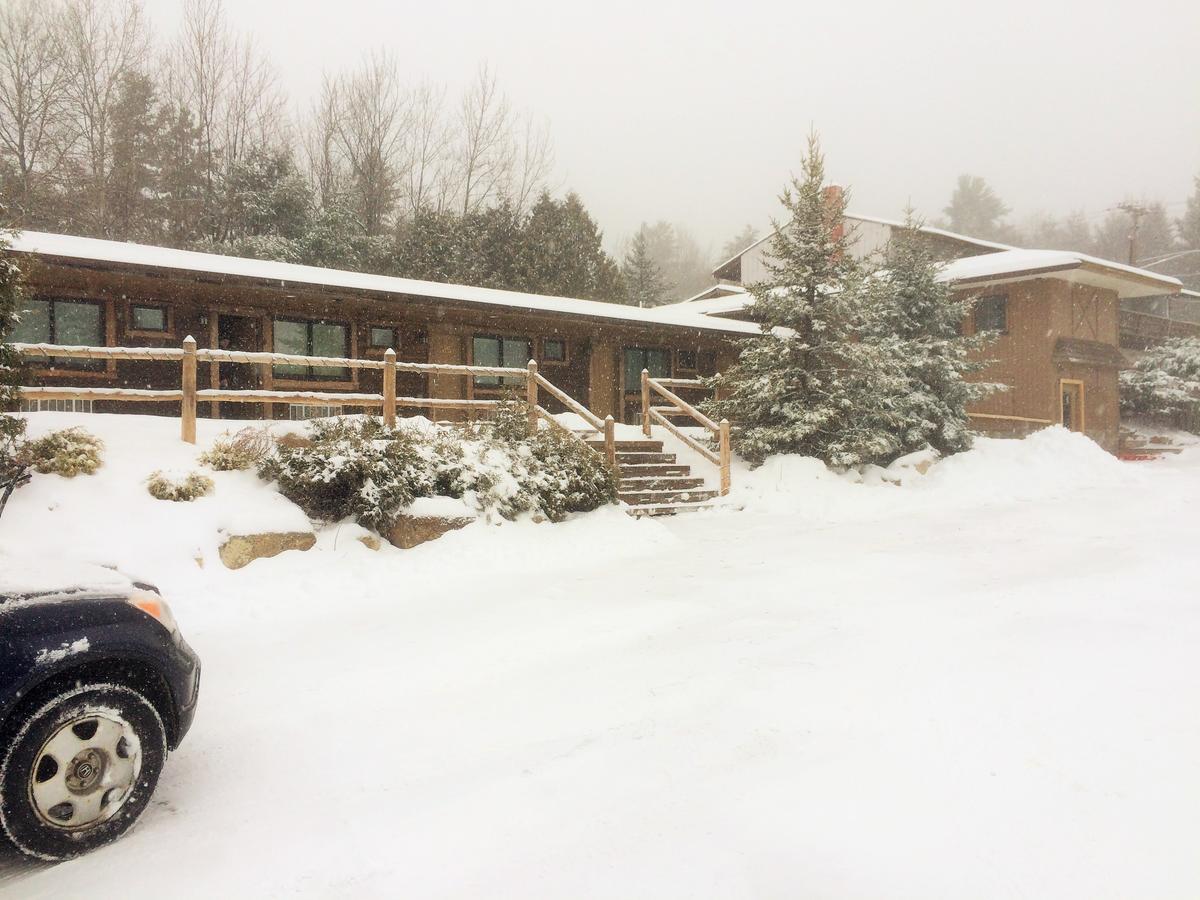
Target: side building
(1056, 316)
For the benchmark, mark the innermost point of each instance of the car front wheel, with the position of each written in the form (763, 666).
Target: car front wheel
(80, 770)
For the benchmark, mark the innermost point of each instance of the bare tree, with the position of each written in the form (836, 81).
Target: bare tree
(320, 144)
(35, 130)
(427, 150)
(104, 43)
(486, 150)
(533, 161)
(372, 120)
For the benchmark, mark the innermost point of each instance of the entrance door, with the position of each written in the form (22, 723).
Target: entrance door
(1072, 404)
(238, 333)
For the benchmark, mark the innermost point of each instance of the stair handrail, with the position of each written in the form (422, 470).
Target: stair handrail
(722, 459)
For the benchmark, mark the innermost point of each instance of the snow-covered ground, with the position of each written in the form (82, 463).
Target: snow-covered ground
(981, 683)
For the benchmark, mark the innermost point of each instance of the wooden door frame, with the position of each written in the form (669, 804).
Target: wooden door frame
(1062, 383)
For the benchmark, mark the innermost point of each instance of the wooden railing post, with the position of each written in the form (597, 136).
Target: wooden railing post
(389, 388)
(646, 402)
(188, 385)
(610, 443)
(531, 395)
(726, 457)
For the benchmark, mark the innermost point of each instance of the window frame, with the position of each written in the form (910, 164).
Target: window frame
(131, 326)
(681, 366)
(345, 375)
(103, 325)
(551, 361)
(499, 383)
(979, 327)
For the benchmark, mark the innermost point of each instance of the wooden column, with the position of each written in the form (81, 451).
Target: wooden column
(726, 457)
(188, 385)
(531, 395)
(646, 402)
(610, 443)
(389, 387)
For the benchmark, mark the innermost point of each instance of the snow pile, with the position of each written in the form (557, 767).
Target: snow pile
(1049, 464)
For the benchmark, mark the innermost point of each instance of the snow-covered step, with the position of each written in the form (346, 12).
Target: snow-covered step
(666, 509)
(636, 459)
(649, 470)
(669, 482)
(687, 495)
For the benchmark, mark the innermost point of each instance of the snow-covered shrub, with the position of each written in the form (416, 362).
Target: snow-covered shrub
(233, 452)
(1165, 385)
(70, 452)
(568, 475)
(356, 468)
(180, 489)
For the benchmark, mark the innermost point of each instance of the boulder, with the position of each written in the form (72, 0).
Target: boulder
(411, 531)
(242, 549)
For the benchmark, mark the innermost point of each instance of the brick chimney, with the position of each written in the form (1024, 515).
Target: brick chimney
(833, 196)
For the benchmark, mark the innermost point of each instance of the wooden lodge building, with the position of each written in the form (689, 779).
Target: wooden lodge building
(91, 292)
(1057, 316)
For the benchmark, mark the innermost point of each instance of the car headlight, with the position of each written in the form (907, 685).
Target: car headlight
(155, 606)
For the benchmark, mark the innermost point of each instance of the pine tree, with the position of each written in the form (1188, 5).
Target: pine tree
(738, 243)
(136, 141)
(643, 278)
(563, 253)
(11, 294)
(807, 384)
(975, 210)
(916, 319)
(181, 185)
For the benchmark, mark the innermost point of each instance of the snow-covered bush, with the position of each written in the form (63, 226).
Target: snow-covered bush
(360, 469)
(356, 468)
(1165, 385)
(70, 452)
(180, 489)
(233, 452)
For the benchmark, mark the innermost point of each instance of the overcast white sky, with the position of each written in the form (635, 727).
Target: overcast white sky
(696, 112)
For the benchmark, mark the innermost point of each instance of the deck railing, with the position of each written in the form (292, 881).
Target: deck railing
(679, 408)
(189, 395)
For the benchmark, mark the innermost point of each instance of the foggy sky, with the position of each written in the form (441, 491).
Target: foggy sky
(697, 112)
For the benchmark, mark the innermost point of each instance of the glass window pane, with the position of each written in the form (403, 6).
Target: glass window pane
(517, 354)
(291, 337)
(77, 324)
(149, 318)
(486, 352)
(330, 340)
(383, 337)
(554, 350)
(34, 327)
(659, 363)
(635, 361)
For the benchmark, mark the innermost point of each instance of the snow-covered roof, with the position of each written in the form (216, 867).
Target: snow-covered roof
(893, 223)
(717, 300)
(1008, 265)
(126, 253)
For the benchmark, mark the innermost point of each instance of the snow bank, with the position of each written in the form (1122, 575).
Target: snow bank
(1049, 464)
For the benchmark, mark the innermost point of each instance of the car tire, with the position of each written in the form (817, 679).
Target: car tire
(80, 770)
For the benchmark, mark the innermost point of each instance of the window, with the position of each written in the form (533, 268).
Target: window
(77, 323)
(497, 351)
(299, 412)
(686, 360)
(991, 314)
(312, 339)
(657, 361)
(554, 350)
(382, 338)
(148, 318)
(75, 406)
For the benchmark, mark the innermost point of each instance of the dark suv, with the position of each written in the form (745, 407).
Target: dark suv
(96, 684)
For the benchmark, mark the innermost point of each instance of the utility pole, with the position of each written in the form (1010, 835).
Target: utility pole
(1136, 212)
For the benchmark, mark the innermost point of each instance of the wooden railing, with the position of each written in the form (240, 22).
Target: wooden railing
(679, 408)
(189, 395)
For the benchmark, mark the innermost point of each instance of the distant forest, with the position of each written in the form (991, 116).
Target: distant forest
(188, 140)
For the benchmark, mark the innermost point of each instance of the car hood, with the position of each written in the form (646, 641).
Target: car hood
(25, 576)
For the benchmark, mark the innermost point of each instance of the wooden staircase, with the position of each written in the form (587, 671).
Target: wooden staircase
(652, 482)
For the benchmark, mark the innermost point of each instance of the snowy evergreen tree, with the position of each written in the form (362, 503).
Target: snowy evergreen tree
(562, 253)
(1189, 225)
(643, 278)
(1164, 385)
(976, 211)
(808, 385)
(738, 243)
(916, 319)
